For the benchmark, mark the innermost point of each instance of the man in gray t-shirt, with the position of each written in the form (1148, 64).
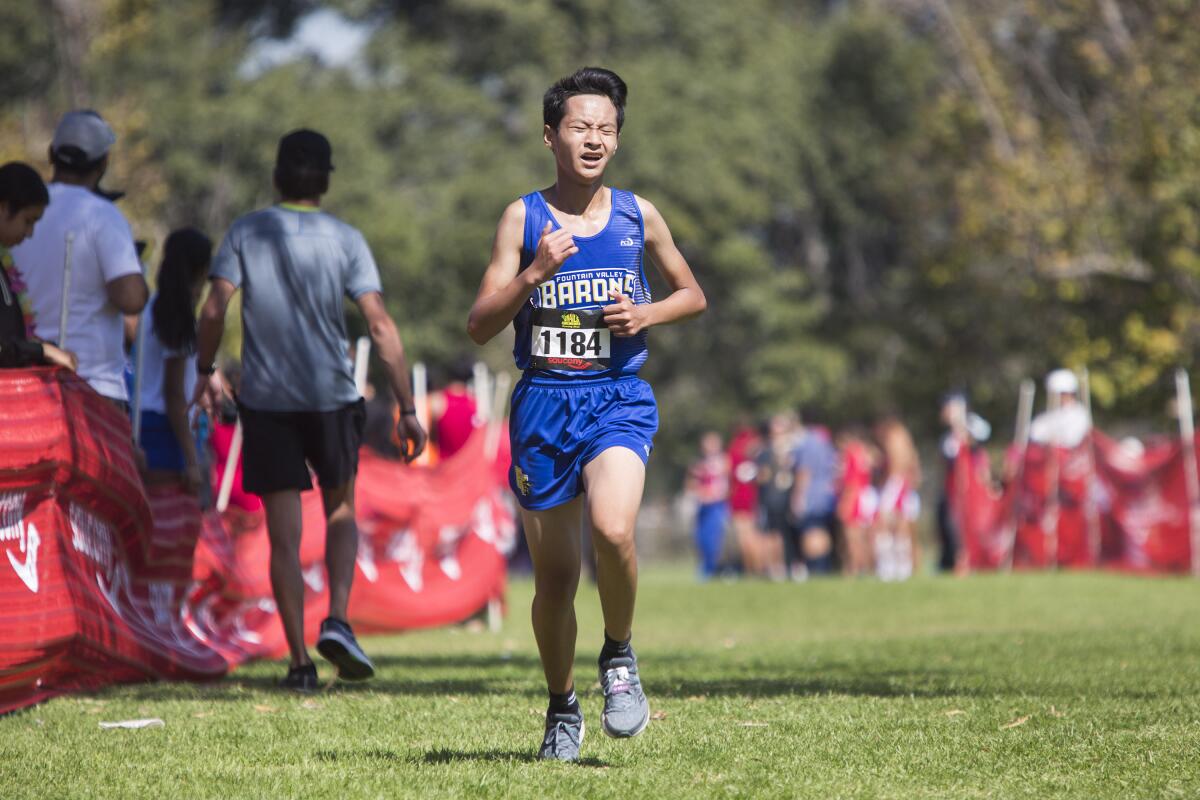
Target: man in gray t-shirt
(298, 405)
(294, 265)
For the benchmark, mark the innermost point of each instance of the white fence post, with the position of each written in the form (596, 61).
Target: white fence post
(362, 354)
(1187, 439)
(1024, 422)
(65, 310)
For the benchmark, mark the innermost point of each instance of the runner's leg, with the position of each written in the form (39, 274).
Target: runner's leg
(287, 583)
(614, 480)
(553, 538)
(341, 545)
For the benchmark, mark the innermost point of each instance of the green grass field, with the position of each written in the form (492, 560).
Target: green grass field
(1072, 685)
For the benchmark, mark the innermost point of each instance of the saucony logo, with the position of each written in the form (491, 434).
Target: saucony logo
(13, 528)
(28, 541)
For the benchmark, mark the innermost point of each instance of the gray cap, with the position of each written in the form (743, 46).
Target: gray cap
(81, 138)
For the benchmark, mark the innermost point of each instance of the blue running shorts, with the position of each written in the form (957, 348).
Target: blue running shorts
(557, 428)
(159, 443)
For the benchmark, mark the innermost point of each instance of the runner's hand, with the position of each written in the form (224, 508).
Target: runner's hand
(58, 357)
(209, 392)
(624, 317)
(412, 437)
(554, 248)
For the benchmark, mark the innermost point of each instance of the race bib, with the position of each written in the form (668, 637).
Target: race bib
(573, 340)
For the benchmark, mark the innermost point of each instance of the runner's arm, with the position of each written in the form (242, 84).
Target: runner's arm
(390, 348)
(686, 298)
(212, 321)
(386, 340)
(208, 337)
(177, 414)
(504, 288)
(128, 293)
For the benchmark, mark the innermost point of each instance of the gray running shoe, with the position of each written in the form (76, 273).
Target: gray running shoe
(564, 735)
(337, 644)
(626, 710)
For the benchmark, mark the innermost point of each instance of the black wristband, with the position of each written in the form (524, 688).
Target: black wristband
(209, 370)
(408, 412)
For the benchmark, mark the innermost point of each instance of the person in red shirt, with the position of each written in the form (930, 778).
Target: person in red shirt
(858, 500)
(708, 483)
(743, 496)
(454, 412)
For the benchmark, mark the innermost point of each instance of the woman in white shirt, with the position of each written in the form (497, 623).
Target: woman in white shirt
(169, 366)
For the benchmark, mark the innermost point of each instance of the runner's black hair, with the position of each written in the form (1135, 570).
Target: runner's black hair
(186, 258)
(21, 187)
(588, 80)
(297, 182)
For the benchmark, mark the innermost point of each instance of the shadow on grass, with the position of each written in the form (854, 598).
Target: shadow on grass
(679, 675)
(445, 756)
(670, 677)
(243, 688)
(836, 681)
(358, 755)
(458, 661)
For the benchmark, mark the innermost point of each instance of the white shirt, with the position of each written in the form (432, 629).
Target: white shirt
(154, 367)
(1067, 426)
(102, 251)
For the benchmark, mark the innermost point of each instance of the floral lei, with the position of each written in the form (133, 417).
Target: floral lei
(17, 284)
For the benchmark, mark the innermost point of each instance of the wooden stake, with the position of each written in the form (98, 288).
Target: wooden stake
(1024, 423)
(496, 415)
(362, 355)
(1050, 513)
(420, 387)
(231, 460)
(65, 310)
(1091, 512)
(1187, 439)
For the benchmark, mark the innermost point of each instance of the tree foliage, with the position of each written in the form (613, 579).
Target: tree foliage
(882, 200)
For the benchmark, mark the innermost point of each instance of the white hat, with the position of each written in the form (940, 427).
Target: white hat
(81, 138)
(1062, 381)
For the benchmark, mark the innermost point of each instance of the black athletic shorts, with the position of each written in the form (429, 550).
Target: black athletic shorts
(279, 446)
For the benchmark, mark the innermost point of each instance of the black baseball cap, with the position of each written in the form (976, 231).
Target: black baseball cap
(305, 148)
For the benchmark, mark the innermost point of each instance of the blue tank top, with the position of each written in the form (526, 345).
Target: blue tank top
(559, 331)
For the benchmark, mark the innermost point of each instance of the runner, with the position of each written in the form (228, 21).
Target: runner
(566, 270)
(298, 403)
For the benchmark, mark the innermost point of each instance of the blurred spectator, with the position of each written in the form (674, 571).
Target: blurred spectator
(776, 476)
(106, 276)
(899, 503)
(858, 500)
(1065, 422)
(965, 431)
(453, 410)
(808, 546)
(23, 199)
(169, 361)
(708, 483)
(744, 448)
